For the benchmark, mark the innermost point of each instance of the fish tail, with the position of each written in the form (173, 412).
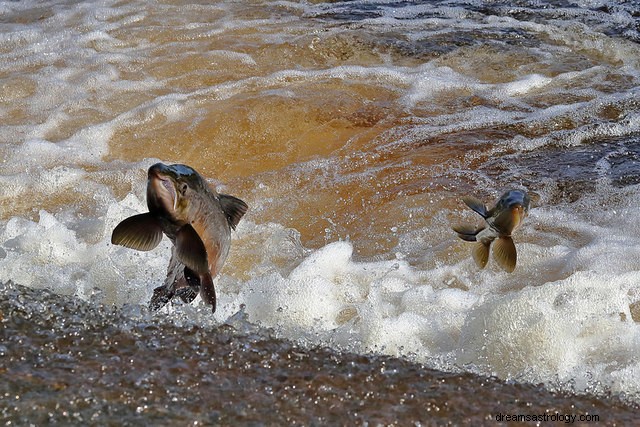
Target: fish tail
(207, 291)
(467, 232)
(504, 252)
(480, 253)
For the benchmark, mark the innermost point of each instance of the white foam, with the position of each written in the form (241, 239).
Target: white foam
(577, 330)
(564, 331)
(243, 58)
(87, 146)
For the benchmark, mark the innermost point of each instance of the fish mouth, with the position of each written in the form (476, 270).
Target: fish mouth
(161, 191)
(517, 208)
(518, 212)
(509, 218)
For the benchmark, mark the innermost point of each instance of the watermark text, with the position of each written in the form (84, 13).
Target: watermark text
(557, 418)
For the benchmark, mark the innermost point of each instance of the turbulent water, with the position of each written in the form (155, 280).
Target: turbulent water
(86, 364)
(352, 129)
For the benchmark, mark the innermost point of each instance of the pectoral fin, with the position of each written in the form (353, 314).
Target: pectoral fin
(467, 232)
(142, 232)
(480, 253)
(476, 205)
(191, 251)
(207, 291)
(504, 252)
(233, 208)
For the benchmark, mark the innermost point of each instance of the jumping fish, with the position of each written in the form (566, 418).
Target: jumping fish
(196, 219)
(502, 220)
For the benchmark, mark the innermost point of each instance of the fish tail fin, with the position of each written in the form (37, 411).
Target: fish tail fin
(187, 295)
(467, 232)
(208, 291)
(504, 252)
(480, 253)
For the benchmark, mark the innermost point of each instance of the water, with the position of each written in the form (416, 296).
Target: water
(352, 130)
(87, 364)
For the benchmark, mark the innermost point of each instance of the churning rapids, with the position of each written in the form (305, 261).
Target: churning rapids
(352, 130)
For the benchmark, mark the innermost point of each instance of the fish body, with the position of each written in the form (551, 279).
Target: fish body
(501, 221)
(196, 219)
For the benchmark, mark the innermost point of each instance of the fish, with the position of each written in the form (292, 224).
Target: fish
(198, 221)
(501, 221)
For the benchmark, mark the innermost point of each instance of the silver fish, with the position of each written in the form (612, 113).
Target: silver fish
(196, 219)
(502, 220)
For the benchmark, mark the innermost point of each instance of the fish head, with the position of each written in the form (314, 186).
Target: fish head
(171, 190)
(510, 211)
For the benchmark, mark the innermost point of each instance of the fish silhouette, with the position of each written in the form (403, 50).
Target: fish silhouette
(501, 221)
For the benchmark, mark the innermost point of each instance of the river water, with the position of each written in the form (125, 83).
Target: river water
(352, 130)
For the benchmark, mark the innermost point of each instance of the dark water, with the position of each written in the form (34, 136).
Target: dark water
(144, 369)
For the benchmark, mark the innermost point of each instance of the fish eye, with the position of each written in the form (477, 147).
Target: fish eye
(183, 189)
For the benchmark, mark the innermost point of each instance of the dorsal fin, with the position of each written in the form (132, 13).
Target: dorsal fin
(233, 208)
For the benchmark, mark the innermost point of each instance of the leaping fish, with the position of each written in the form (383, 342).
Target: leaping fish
(196, 219)
(502, 220)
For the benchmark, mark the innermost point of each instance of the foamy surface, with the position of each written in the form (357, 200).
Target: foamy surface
(140, 369)
(352, 130)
